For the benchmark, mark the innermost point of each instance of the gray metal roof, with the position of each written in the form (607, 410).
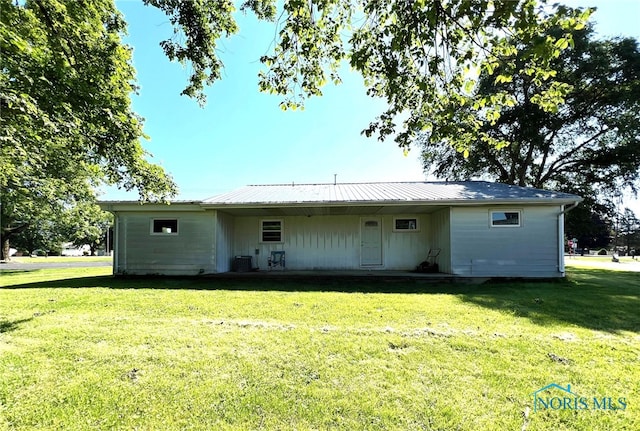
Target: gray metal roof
(390, 193)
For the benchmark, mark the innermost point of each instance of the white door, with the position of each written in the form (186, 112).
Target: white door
(371, 241)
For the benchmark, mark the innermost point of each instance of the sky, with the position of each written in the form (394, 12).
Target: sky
(242, 136)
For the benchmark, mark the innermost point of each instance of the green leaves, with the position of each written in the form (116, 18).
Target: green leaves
(67, 122)
(536, 129)
(416, 55)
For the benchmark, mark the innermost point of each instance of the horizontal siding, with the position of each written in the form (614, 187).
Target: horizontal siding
(189, 252)
(330, 242)
(528, 251)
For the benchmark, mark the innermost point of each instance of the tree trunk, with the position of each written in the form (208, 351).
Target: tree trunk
(5, 235)
(4, 252)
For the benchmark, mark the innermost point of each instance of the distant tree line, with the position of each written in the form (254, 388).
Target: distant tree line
(82, 225)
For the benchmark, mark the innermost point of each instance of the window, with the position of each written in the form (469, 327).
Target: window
(505, 218)
(164, 226)
(271, 230)
(405, 225)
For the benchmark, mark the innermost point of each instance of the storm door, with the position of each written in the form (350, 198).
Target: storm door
(371, 241)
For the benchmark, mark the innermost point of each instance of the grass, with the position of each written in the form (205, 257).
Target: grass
(625, 263)
(60, 259)
(82, 350)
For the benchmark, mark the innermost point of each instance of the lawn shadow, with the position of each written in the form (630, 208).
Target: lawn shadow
(10, 272)
(293, 284)
(12, 325)
(590, 298)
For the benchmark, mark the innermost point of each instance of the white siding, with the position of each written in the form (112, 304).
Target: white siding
(190, 252)
(530, 250)
(330, 242)
(224, 241)
(405, 250)
(441, 238)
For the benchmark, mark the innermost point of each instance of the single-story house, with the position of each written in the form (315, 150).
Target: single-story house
(478, 228)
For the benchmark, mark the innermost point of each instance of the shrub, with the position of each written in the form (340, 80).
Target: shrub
(602, 252)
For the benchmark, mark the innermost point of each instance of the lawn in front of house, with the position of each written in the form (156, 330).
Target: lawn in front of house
(82, 350)
(60, 259)
(624, 263)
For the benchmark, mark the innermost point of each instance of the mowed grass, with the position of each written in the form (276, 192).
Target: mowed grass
(82, 350)
(59, 259)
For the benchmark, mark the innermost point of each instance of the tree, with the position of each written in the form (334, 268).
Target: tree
(42, 235)
(87, 224)
(628, 229)
(67, 124)
(590, 143)
(589, 223)
(421, 56)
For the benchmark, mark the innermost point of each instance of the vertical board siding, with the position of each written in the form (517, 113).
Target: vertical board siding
(530, 250)
(190, 252)
(224, 241)
(441, 238)
(329, 242)
(405, 250)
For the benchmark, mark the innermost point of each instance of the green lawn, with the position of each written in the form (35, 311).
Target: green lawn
(81, 350)
(60, 259)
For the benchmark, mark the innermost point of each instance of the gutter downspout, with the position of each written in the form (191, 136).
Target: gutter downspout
(561, 236)
(116, 243)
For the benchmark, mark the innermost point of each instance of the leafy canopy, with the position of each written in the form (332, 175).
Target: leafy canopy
(590, 143)
(422, 56)
(67, 124)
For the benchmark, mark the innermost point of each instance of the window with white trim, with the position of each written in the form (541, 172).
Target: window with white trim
(271, 231)
(405, 224)
(509, 218)
(164, 226)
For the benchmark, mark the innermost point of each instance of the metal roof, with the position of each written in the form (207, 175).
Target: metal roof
(390, 193)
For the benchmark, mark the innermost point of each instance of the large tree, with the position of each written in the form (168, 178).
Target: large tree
(67, 123)
(87, 224)
(421, 56)
(627, 231)
(589, 144)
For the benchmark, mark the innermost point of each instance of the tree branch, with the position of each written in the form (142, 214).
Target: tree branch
(567, 154)
(50, 24)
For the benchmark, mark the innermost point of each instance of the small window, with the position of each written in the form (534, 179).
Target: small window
(271, 231)
(164, 226)
(371, 223)
(405, 224)
(505, 218)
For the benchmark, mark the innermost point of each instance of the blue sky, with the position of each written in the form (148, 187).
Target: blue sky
(242, 137)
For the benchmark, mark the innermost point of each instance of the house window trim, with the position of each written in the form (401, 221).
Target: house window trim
(153, 220)
(261, 231)
(417, 220)
(508, 210)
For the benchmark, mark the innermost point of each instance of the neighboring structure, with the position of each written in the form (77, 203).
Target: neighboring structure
(481, 229)
(68, 249)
